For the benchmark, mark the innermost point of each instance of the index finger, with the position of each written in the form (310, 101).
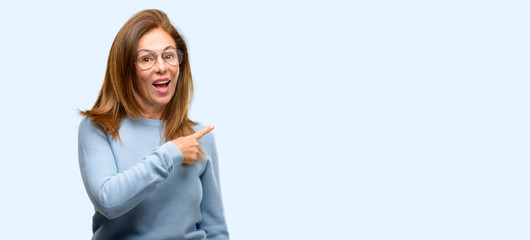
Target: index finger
(202, 132)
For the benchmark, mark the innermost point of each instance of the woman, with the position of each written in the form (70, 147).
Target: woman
(150, 171)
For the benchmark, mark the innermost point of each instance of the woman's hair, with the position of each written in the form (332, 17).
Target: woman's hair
(117, 97)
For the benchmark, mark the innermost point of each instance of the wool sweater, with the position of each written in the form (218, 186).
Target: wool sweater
(139, 188)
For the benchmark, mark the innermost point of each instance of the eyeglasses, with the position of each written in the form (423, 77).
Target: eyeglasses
(147, 58)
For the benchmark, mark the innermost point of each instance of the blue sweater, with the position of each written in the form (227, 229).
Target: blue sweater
(140, 190)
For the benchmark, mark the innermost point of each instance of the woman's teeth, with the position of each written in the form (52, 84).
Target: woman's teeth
(161, 84)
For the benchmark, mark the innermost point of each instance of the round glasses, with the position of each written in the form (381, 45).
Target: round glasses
(147, 58)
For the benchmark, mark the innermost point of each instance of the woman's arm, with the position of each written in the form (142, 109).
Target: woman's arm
(213, 219)
(112, 193)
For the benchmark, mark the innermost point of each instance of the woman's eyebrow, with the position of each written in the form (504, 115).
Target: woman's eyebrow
(149, 50)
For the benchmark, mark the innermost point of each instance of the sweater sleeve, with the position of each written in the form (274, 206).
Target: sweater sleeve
(114, 194)
(213, 219)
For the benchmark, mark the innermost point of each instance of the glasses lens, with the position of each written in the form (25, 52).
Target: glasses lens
(181, 56)
(171, 56)
(146, 60)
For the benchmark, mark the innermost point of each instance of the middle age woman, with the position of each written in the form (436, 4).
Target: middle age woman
(150, 172)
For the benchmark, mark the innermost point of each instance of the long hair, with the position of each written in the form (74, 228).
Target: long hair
(117, 97)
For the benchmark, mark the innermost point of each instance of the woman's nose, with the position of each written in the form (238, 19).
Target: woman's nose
(160, 65)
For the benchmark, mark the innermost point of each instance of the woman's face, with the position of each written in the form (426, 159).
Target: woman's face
(156, 84)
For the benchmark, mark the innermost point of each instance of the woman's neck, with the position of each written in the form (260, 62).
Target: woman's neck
(157, 116)
(152, 112)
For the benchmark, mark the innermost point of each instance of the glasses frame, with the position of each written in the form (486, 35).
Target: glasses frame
(180, 57)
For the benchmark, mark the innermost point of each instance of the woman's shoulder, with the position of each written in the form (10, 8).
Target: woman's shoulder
(198, 126)
(88, 126)
(86, 122)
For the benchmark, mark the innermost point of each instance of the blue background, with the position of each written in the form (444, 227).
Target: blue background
(334, 119)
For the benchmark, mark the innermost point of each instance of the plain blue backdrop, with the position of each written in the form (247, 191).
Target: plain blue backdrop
(334, 119)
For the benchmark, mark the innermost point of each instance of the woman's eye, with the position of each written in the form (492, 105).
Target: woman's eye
(147, 59)
(170, 56)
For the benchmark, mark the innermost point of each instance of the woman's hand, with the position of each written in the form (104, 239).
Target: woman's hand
(189, 145)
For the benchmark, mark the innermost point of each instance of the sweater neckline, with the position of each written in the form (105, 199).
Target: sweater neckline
(147, 121)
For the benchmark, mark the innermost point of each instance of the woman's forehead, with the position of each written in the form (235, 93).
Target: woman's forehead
(156, 40)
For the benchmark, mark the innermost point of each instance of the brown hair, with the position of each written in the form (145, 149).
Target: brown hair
(117, 97)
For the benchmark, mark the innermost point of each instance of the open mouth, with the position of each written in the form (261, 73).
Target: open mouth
(162, 86)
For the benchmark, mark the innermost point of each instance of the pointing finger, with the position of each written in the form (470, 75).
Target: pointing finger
(202, 132)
